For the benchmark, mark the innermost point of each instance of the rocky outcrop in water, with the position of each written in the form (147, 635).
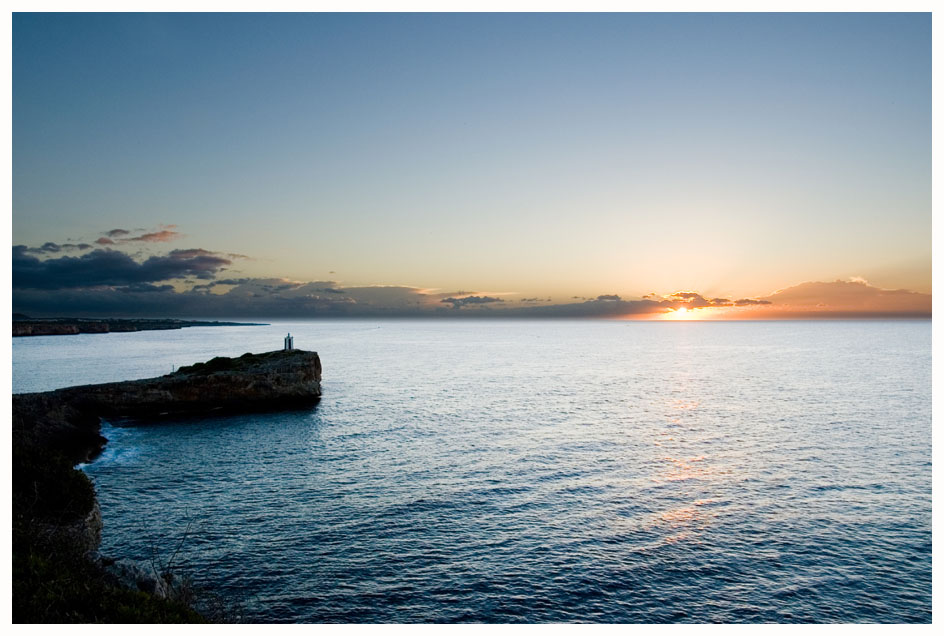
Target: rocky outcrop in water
(56, 519)
(147, 577)
(267, 381)
(68, 419)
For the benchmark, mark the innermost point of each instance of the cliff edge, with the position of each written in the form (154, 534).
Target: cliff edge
(68, 419)
(56, 521)
(265, 381)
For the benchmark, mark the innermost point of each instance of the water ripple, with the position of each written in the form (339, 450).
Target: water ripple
(459, 472)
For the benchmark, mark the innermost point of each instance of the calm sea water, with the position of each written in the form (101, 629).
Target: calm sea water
(536, 471)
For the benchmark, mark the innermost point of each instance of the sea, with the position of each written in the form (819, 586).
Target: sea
(495, 471)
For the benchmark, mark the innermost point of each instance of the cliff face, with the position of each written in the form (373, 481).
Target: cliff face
(56, 519)
(68, 419)
(43, 329)
(268, 381)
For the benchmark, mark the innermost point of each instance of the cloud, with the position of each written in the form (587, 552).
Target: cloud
(684, 296)
(48, 280)
(145, 287)
(55, 248)
(846, 299)
(595, 308)
(163, 301)
(694, 300)
(194, 253)
(458, 303)
(162, 236)
(394, 297)
(283, 298)
(262, 298)
(109, 267)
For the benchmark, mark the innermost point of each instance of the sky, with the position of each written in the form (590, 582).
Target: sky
(313, 165)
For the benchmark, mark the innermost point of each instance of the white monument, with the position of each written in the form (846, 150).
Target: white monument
(289, 343)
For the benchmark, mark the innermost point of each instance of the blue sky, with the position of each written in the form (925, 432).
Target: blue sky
(552, 154)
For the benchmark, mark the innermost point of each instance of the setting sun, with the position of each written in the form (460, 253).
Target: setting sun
(682, 313)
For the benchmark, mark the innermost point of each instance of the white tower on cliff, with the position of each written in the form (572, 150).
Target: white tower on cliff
(289, 343)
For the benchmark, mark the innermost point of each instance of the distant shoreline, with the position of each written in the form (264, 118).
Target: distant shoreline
(25, 326)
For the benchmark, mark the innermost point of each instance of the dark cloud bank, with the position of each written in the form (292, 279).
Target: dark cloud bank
(103, 267)
(197, 283)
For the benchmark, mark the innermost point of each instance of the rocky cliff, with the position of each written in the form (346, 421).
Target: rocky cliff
(276, 380)
(68, 419)
(56, 518)
(26, 326)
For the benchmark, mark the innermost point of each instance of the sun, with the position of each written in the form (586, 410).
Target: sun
(682, 313)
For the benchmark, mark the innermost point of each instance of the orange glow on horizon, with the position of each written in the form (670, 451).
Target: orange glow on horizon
(812, 300)
(684, 313)
(694, 314)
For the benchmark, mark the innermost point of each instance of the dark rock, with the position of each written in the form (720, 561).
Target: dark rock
(84, 534)
(267, 381)
(55, 430)
(43, 329)
(141, 576)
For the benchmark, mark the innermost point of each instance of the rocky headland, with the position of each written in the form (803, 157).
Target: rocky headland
(26, 326)
(56, 522)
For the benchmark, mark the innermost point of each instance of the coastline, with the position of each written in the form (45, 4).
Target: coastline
(57, 574)
(24, 326)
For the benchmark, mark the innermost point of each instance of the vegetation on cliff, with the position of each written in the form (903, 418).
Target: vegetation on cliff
(56, 525)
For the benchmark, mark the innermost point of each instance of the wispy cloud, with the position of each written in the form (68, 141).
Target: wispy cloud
(163, 234)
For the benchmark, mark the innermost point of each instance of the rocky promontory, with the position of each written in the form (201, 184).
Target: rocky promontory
(26, 326)
(68, 419)
(251, 382)
(56, 521)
